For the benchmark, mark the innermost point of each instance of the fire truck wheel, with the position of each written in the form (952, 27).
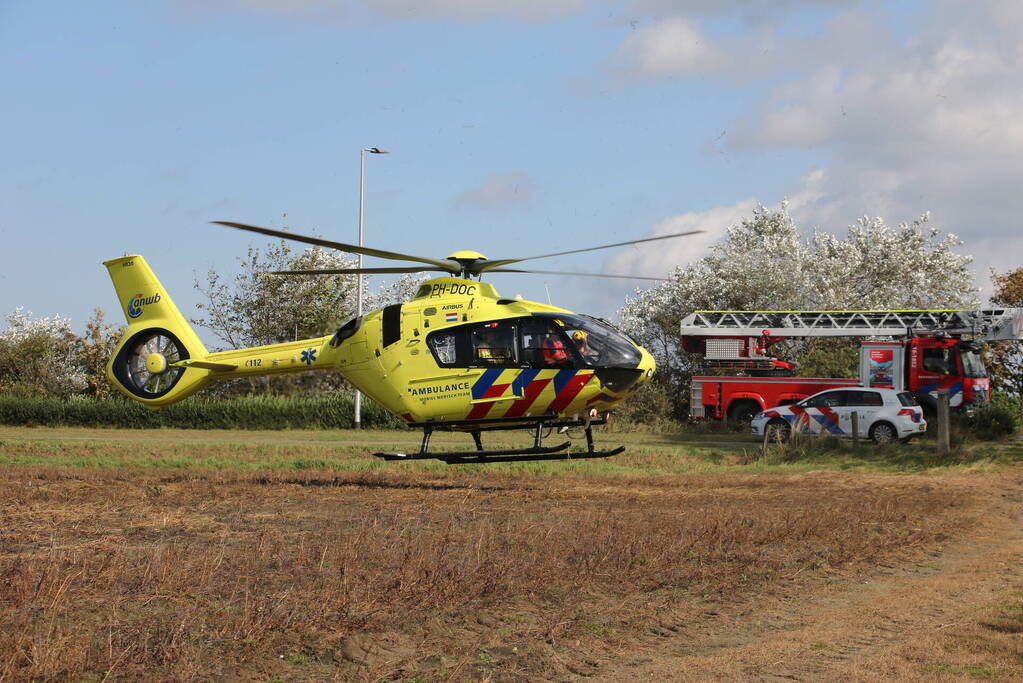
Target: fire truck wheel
(883, 433)
(778, 431)
(742, 412)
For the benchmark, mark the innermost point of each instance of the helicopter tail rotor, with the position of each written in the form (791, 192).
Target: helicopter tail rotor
(147, 363)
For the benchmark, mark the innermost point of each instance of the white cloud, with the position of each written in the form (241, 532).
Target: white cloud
(933, 126)
(925, 122)
(678, 45)
(659, 259)
(671, 46)
(1002, 255)
(500, 188)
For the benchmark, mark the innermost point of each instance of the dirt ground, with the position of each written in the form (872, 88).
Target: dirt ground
(952, 612)
(396, 573)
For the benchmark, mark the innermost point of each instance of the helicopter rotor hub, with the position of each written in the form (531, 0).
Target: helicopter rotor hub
(156, 363)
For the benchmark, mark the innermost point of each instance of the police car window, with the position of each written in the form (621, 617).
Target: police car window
(494, 344)
(828, 400)
(906, 399)
(863, 398)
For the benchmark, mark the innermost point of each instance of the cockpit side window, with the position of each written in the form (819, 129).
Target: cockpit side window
(493, 343)
(444, 345)
(466, 346)
(544, 345)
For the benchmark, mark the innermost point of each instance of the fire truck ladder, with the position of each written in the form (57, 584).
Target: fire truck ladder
(987, 325)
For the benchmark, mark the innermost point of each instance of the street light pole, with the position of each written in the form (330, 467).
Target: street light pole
(358, 310)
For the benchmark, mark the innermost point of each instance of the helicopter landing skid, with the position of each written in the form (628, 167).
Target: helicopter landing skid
(480, 455)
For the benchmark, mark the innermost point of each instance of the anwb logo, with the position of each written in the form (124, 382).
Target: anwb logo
(136, 303)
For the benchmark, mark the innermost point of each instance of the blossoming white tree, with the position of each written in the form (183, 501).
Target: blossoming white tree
(38, 356)
(766, 263)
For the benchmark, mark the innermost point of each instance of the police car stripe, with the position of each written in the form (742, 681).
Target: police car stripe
(801, 420)
(829, 420)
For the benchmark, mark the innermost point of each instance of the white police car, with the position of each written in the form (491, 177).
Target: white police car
(884, 415)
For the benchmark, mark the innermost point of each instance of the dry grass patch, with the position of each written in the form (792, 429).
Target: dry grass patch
(159, 573)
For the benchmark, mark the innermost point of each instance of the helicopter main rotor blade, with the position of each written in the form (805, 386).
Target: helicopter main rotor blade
(445, 265)
(491, 265)
(563, 272)
(356, 271)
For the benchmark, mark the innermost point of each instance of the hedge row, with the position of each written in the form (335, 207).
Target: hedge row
(253, 412)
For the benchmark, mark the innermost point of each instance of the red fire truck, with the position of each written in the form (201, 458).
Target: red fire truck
(916, 351)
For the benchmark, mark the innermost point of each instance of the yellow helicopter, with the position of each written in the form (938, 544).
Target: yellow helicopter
(457, 356)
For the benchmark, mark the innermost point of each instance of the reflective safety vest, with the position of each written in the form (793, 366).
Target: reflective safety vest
(554, 349)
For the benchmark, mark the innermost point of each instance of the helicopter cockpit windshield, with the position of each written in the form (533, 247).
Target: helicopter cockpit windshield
(597, 342)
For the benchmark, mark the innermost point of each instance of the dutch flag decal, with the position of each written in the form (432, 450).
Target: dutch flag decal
(450, 317)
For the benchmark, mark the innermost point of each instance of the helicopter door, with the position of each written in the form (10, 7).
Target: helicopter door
(414, 328)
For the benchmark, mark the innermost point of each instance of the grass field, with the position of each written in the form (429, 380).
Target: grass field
(295, 555)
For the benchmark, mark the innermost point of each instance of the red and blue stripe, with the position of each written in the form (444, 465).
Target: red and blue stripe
(525, 385)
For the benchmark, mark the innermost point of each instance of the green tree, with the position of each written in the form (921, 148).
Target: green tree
(256, 308)
(93, 351)
(398, 291)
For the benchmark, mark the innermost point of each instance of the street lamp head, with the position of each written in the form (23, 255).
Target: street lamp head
(375, 150)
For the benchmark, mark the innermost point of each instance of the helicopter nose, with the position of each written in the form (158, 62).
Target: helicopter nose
(646, 366)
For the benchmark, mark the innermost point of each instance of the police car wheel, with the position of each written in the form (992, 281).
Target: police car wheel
(883, 433)
(778, 430)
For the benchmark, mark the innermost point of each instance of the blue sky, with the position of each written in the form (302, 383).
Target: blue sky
(517, 127)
